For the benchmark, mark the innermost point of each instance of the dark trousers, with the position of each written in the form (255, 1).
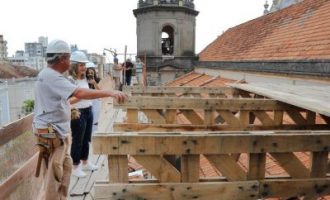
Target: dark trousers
(128, 80)
(81, 135)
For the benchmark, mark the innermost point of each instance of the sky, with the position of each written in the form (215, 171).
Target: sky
(97, 24)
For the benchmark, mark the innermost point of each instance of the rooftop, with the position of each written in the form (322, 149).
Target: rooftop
(298, 32)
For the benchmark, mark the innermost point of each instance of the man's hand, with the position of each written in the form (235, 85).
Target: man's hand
(120, 96)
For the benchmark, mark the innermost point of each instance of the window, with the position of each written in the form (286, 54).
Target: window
(167, 40)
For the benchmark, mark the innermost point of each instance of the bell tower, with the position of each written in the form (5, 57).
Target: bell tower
(166, 33)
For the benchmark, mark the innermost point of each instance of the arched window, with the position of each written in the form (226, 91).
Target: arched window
(167, 40)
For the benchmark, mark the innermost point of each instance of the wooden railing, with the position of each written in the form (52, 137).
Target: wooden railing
(23, 176)
(222, 92)
(220, 148)
(215, 114)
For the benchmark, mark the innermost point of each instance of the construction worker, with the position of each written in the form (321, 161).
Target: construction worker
(51, 123)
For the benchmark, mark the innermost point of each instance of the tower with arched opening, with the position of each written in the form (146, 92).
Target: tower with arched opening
(166, 32)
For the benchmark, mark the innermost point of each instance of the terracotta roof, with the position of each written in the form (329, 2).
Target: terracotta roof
(299, 32)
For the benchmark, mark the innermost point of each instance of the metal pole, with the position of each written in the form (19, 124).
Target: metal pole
(124, 78)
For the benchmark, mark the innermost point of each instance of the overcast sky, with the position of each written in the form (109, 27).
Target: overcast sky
(98, 24)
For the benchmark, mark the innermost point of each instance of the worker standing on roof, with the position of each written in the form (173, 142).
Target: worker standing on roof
(51, 123)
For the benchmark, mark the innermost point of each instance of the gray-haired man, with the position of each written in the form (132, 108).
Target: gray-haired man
(51, 122)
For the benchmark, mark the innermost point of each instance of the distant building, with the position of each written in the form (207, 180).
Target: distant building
(44, 42)
(3, 49)
(36, 52)
(20, 59)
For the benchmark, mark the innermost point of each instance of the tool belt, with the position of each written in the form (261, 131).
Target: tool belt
(47, 142)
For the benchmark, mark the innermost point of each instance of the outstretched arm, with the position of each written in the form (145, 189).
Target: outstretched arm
(82, 93)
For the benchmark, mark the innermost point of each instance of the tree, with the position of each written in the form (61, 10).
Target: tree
(28, 106)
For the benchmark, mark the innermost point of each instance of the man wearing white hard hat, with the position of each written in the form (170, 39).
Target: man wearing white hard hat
(51, 123)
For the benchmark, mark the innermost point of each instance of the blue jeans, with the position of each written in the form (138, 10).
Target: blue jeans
(81, 135)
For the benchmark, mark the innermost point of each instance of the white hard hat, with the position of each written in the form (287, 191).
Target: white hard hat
(58, 46)
(79, 56)
(90, 65)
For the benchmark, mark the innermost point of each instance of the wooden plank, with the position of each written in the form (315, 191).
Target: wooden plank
(170, 116)
(159, 167)
(134, 127)
(326, 119)
(208, 117)
(244, 118)
(132, 115)
(287, 188)
(15, 129)
(137, 102)
(230, 118)
(264, 118)
(190, 168)
(210, 143)
(307, 101)
(118, 168)
(193, 117)
(310, 118)
(154, 116)
(171, 90)
(257, 166)
(319, 164)
(12, 182)
(278, 117)
(291, 164)
(178, 191)
(228, 166)
(296, 117)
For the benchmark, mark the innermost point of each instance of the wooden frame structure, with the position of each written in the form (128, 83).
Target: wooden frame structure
(240, 111)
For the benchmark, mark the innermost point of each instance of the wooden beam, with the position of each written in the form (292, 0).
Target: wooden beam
(287, 188)
(159, 167)
(291, 164)
(228, 167)
(178, 191)
(193, 117)
(132, 116)
(319, 164)
(15, 129)
(210, 143)
(190, 168)
(170, 116)
(135, 127)
(257, 166)
(209, 117)
(170, 90)
(154, 116)
(137, 102)
(12, 182)
(296, 117)
(264, 118)
(230, 118)
(118, 168)
(293, 97)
